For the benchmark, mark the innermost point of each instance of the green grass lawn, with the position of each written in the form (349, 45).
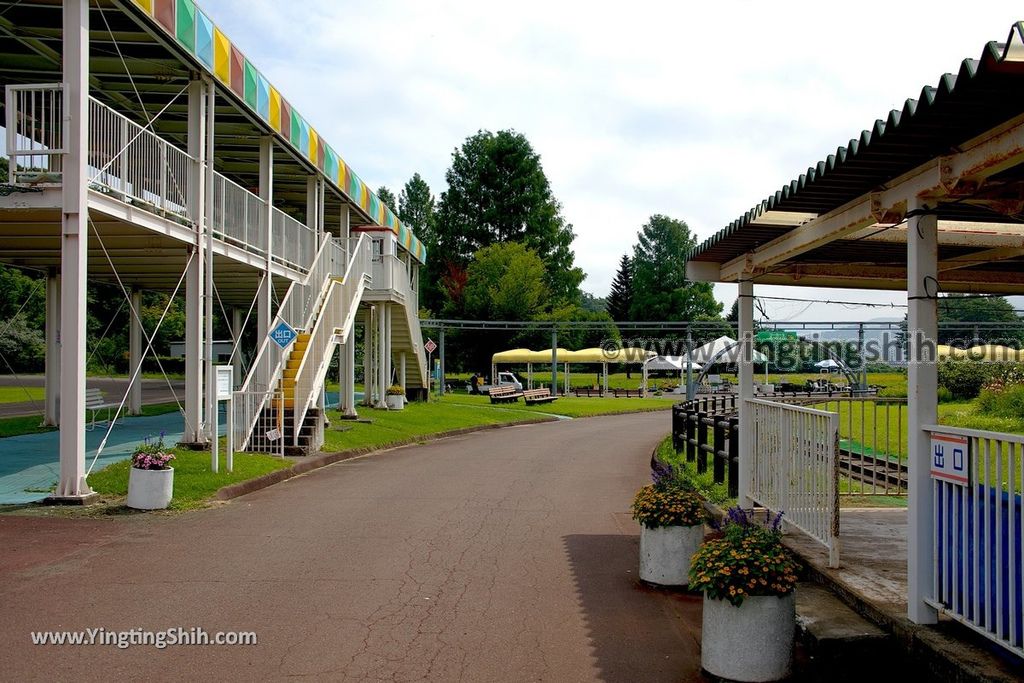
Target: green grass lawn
(194, 483)
(568, 406)
(20, 394)
(389, 427)
(33, 424)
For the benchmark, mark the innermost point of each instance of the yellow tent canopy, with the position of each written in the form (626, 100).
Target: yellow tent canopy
(993, 352)
(545, 356)
(513, 356)
(946, 351)
(592, 355)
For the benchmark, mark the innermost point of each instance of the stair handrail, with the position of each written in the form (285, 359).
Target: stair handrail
(340, 299)
(403, 287)
(296, 309)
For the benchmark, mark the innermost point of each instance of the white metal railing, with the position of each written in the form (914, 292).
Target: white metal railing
(294, 243)
(333, 325)
(796, 468)
(402, 284)
(298, 307)
(978, 481)
(137, 165)
(35, 132)
(239, 216)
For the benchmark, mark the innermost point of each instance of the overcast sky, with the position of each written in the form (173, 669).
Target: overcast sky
(694, 110)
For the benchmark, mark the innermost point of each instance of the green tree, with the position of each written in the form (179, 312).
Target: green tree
(620, 298)
(593, 304)
(996, 321)
(505, 282)
(498, 192)
(416, 208)
(388, 198)
(660, 288)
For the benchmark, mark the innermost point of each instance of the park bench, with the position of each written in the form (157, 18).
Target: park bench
(504, 394)
(589, 392)
(627, 393)
(95, 402)
(531, 396)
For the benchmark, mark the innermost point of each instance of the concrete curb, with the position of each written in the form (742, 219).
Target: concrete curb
(315, 462)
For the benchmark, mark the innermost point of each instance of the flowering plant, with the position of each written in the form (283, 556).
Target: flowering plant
(152, 455)
(667, 502)
(396, 390)
(743, 559)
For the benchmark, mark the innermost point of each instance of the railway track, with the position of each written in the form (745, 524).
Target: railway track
(882, 474)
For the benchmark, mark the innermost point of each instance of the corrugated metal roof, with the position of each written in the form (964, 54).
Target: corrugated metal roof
(984, 93)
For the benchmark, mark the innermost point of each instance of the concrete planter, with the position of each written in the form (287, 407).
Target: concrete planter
(150, 489)
(665, 553)
(751, 643)
(395, 402)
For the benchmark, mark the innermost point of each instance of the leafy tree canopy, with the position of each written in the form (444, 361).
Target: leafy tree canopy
(386, 196)
(620, 299)
(505, 282)
(498, 192)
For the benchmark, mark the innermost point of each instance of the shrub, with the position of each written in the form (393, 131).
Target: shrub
(963, 378)
(746, 558)
(396, 390)
(945, 395)
(1000, 400)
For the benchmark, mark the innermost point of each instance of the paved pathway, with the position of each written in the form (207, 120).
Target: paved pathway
(506, 555)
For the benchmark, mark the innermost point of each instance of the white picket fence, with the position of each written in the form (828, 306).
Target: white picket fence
(979, 522)
(796, 468)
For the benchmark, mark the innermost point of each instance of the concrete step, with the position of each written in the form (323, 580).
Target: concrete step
(838, 643)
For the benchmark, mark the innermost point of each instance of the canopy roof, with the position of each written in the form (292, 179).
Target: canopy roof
(512, 356)
(727, 347)
(670, 363)
(958, 147)
(592, 355)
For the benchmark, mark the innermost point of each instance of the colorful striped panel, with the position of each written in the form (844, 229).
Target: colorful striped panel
(186, 24)
(164, 13)
(249, 84)
(237, 72)
(286, 120)
(274, 118)
(204, 40)
(222, 56)
(262, 97)
(194, 31)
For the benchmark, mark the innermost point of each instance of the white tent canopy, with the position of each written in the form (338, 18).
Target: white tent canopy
(707, 353)
(670, 363)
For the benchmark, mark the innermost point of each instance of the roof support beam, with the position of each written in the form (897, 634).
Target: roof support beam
(980, 257)
(957, 175)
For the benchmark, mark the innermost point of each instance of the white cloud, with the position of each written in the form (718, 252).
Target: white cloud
(698, 111)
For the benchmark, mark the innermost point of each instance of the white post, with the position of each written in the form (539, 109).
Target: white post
(194, 276)
(746, 390)
(922, 387)
(401, 369)
(313, 206)
(236, 351)
(368, 357)
(554, 362)
(348, 377)
(52, 378)
(74, 253)
(604, 373)
(529, 375)
(212, 417)
(389, 312)
(135, 353)
(264, 314)
(381, 353)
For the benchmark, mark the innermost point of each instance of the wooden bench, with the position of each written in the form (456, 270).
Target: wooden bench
(627, 393)
(531, 396)
(95, 402)
(588, 392)
(504, 394)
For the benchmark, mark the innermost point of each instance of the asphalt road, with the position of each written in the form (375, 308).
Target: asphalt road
(505, 555)
(153, 391)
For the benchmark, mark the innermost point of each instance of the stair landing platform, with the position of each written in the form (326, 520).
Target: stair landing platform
(872, 580)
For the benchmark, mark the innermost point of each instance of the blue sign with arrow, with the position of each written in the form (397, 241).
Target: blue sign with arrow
(283, 335)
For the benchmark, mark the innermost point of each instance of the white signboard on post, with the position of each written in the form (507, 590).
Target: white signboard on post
(225, 378)
(951, 458)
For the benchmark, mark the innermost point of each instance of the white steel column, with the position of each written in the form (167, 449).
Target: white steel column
(74, 253)
(746, 389)
(389, 312)
(52, 330)
(194, 280)
(236, 339)
(313, 206)
(922, 390)
(135, 353)
(210, 299)
(264, 298)
(401, 369)
(382, 351)
(368, 357)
